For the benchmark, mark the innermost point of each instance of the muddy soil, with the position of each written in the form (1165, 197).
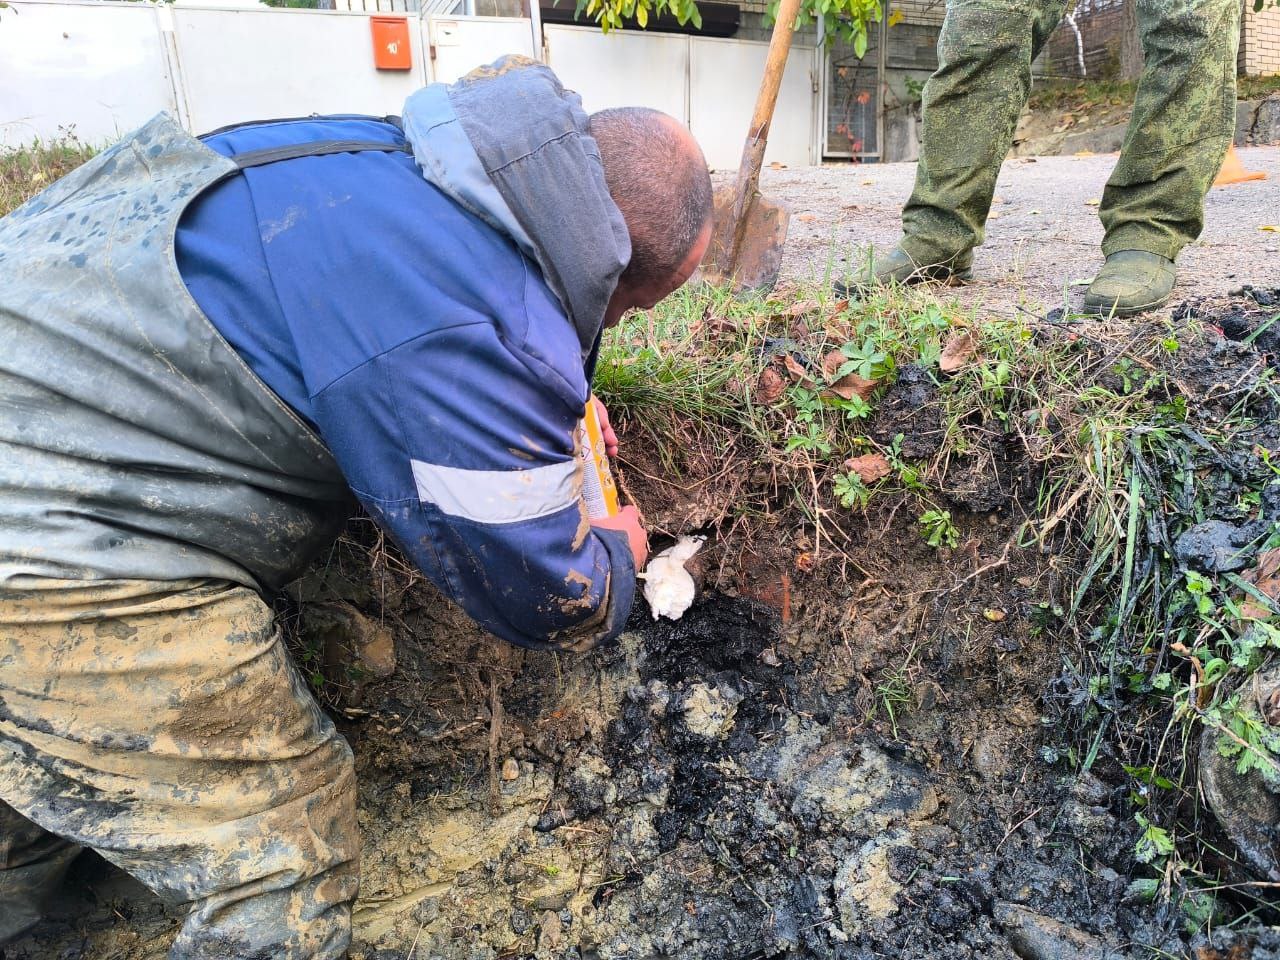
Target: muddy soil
(833, 756)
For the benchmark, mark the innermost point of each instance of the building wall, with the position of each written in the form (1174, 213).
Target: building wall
(1101, 25)
(1260, 42)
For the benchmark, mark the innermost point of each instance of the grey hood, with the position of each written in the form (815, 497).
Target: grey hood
(510, 144)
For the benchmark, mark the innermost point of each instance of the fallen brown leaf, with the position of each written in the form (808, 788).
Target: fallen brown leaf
(850, 385)
(958, 351)
(806, 217)
(1271, 708)
(770, 386)
(869, 467)
(801, 308)
(799, 375)
(1266, 577)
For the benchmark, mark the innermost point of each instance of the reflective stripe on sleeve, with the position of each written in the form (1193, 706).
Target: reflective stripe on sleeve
(498, 496)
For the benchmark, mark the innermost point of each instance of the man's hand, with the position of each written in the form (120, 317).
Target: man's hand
(606, 429)
(628, 521)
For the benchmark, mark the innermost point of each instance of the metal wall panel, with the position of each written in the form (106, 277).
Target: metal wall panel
(709, 84)
(98, 71)
(258, 64)
(460, 44)
(624, 68)
(724, 81)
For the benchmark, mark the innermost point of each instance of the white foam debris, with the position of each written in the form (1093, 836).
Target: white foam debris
(667, 584)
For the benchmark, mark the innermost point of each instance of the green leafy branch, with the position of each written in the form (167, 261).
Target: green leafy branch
(848, 20)
(612, 14)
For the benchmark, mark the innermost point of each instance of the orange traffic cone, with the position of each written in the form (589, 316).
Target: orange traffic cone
(1233, 170)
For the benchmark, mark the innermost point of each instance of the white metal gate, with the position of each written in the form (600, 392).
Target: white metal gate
(708, 84)
(457, 44)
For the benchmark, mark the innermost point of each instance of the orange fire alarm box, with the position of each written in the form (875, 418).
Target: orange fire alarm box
(391, 50)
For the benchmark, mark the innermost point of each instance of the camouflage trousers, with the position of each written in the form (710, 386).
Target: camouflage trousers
(164, 726)
(1182, 122)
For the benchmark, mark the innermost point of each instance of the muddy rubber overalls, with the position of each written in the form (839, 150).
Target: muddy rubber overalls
(150, 487)
(1183, 120)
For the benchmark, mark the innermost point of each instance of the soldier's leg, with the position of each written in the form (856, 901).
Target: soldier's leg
(971, 107)
(1183, 120)
(32, 864)
(165, 727)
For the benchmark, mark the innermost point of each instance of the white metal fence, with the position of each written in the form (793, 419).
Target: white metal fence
(99, 69)
(709, 84)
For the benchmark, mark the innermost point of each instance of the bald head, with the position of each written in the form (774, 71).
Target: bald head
(658, 178)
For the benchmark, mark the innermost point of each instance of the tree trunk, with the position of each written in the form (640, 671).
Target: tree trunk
(1130, 43)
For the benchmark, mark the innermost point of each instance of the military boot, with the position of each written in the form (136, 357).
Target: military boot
(1130, 282)
(897, 266)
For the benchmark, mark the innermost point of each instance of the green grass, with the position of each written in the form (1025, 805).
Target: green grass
(1083, 95)
(25, 172)
(1071, 95)
(1256, 88)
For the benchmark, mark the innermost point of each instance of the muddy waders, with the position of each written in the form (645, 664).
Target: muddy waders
(164, 726)
(151, 490)
(1182, 123)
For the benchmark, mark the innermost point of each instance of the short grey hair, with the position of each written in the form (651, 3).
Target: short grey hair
(659, 180)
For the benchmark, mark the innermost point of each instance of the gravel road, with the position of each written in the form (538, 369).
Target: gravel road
(1044, 236)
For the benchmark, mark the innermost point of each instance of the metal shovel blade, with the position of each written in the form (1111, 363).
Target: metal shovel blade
(746, 254)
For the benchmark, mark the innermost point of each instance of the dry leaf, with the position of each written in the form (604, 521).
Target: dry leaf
(721, 326)
(770, 386)
(868, 183)
(995, 616)
(1266, 577)
(777, 166)
(1270, 228)
(1084, 153)
(959, 350)
(1092, 202)
(850, 385)
(798, 373)
(806, 217)
(804, 561)
(801, 308)
(869, 467)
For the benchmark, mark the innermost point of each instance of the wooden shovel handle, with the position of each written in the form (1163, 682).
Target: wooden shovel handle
(758, 134)
(775, 64)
